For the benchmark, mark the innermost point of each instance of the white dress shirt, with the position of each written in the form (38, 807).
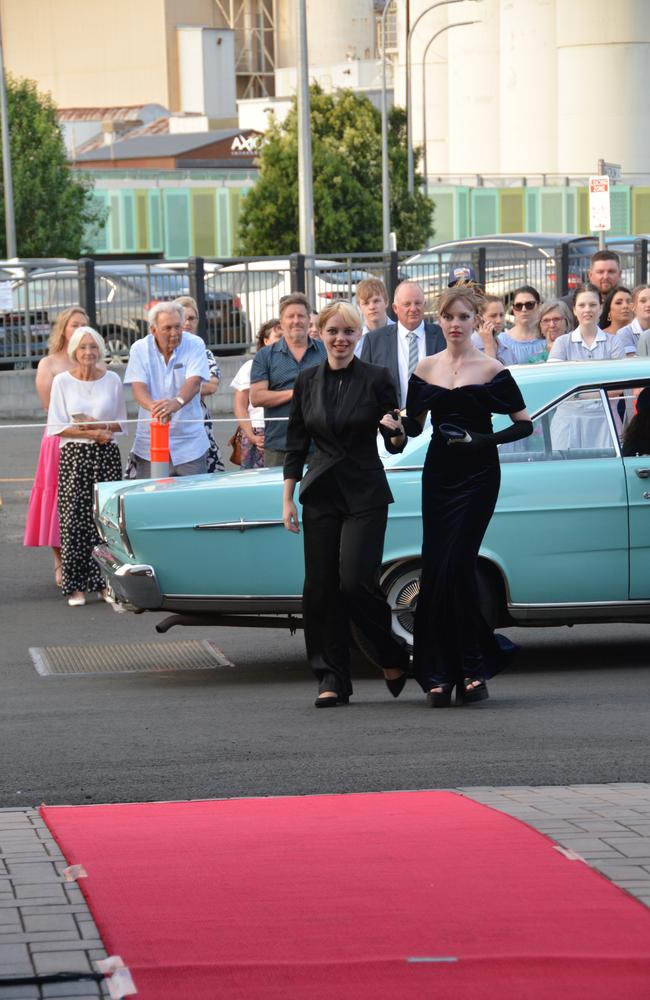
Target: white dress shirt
(403, 355)
(164, 380)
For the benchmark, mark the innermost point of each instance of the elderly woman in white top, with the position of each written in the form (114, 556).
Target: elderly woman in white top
(86, 411)
(579, 423)
(629, 336)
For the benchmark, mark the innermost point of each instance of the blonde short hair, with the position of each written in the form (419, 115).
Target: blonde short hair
(78, 336)
(349, 313)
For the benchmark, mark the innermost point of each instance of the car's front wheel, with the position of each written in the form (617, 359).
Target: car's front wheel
(401, 585)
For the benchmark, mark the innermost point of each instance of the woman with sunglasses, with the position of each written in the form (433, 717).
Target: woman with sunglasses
(521, 344)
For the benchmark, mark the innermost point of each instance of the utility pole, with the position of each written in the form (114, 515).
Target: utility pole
(305, 182)
(7, 180)
(385, 176)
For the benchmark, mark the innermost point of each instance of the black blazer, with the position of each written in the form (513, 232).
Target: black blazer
(349, 442)
(380, 347)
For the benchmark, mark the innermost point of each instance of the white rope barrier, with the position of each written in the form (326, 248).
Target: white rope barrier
(132, 420)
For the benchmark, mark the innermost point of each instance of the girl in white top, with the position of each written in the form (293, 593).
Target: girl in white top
(587, 342)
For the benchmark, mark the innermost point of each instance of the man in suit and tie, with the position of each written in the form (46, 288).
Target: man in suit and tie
(399, 347)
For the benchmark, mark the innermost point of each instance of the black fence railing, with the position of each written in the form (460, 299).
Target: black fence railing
(236, 295)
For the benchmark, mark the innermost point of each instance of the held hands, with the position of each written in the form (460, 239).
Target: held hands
(290, 516)
(393, 422)
(103, 435)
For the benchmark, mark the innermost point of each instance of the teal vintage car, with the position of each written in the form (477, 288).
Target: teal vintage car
(569, 541)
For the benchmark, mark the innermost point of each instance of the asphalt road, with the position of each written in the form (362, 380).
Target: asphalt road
(574, 710)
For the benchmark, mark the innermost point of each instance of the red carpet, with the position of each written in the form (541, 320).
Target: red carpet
(353, 897)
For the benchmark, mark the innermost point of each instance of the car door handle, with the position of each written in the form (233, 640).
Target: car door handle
(643, 473)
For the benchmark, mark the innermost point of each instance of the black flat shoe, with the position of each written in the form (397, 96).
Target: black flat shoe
(331, 701)
(440, 697)
(396, 684)
(477, 693)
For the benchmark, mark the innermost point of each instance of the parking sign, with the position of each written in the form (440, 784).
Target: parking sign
(599, 215)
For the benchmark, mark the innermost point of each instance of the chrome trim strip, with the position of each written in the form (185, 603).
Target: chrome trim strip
(267, 598)
(403, 468)
(121, 526)
(578, 607)
(609, 416)
(240, 525)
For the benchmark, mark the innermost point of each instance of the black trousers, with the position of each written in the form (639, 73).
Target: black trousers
(343, 553)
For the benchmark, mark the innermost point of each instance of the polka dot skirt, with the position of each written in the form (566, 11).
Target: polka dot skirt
(82, 465)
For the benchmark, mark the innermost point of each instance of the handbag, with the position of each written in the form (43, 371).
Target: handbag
(235, 444)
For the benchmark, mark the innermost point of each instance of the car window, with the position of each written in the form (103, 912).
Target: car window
(576, 428)
(622, 404)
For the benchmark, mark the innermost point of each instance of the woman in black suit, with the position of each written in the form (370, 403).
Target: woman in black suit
(338, 406)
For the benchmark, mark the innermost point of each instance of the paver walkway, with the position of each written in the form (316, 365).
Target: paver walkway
(45, 925)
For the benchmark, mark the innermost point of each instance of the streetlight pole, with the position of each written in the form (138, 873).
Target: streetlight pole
(409, 102)
(385, 176)
(10, 222)
(458, 24)
(305, 182)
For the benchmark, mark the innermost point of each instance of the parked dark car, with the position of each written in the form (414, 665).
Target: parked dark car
(123, 296)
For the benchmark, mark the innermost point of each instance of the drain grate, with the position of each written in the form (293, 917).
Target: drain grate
(128, 658)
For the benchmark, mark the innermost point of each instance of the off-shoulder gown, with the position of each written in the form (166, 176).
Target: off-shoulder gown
(460, 486)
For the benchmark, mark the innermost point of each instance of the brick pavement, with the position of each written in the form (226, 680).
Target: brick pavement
(45, 925)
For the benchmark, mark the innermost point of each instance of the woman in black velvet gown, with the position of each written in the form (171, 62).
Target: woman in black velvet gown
(461, 388)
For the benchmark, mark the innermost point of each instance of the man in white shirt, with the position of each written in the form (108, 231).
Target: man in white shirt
(165, 371)
(399, 347)
(372, 300)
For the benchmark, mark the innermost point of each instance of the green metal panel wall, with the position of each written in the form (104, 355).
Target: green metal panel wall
(142, 221)
(531, 224)
(551, 202)
(641, 210)
(512, 210)
(177, 229)
(204, 242)
(485, 211)
(155, 221)
(619, 206)
(443, 216)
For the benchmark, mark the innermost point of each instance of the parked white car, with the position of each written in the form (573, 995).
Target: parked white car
(260, 284)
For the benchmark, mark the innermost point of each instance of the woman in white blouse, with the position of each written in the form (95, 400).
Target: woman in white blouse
(587, 342)
(86, 411)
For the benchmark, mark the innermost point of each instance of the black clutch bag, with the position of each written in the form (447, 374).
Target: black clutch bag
(453, 433)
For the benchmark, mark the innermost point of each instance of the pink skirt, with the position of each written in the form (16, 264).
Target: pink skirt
(42, 525)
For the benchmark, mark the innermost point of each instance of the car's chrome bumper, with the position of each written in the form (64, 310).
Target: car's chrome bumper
(133, 585)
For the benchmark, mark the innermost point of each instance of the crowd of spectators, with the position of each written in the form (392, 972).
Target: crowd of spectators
(170, 370)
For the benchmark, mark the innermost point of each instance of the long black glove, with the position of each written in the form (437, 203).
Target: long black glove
(473, 440)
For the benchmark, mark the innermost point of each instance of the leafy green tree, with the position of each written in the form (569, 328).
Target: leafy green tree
(56, 214)
(346, 155)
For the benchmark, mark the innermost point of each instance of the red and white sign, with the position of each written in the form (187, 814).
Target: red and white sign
(599, 214)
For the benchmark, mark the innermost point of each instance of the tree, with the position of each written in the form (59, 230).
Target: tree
(56, 215)
(346, 154)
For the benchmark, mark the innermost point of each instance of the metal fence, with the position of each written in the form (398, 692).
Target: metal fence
(236, 295)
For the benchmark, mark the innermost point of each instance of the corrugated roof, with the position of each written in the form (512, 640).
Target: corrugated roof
(146, 146)
(160, 126)
(118, 114)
